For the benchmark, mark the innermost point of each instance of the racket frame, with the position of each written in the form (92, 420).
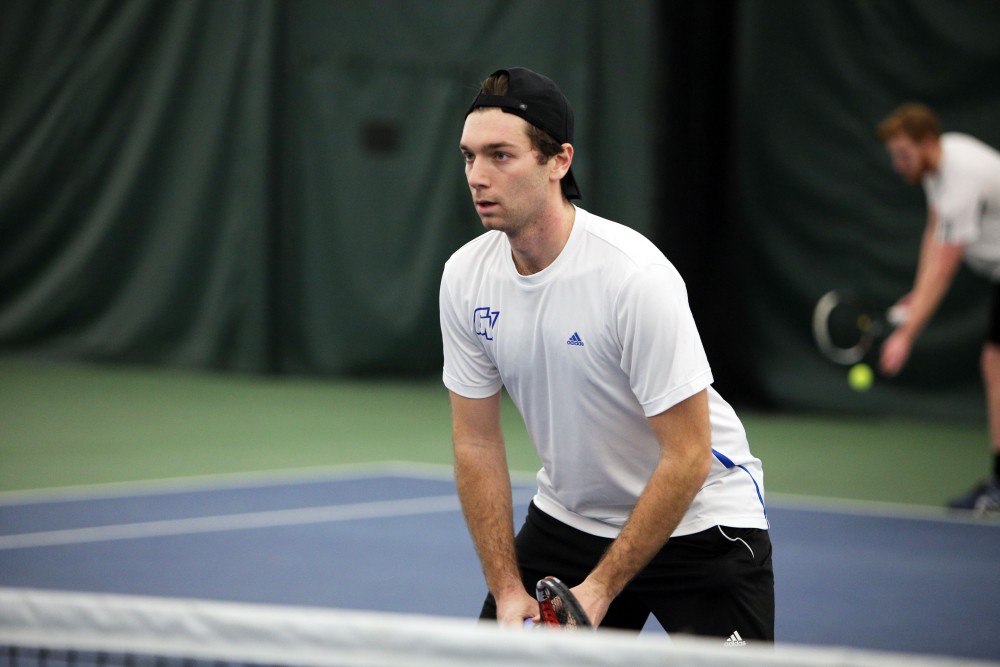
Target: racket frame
(558, 606)
(870, 327)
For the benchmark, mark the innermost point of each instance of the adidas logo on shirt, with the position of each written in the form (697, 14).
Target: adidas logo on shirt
(575, 340)
(735, 640)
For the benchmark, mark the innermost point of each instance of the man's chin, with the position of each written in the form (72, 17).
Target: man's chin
(491, 222)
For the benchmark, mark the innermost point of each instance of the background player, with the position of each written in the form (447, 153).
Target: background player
(961, 178)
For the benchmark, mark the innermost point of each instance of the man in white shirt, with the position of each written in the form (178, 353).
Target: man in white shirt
(961, 178)
(587, 326)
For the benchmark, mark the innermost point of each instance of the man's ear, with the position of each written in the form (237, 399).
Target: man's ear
(561, 162)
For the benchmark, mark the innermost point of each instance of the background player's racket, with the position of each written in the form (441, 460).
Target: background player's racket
(558, 606)
(845, 327)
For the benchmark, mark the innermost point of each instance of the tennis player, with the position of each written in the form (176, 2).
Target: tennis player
(587, 326)
(961, 178)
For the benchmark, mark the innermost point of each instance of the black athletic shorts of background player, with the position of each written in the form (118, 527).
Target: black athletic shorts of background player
(712, 583)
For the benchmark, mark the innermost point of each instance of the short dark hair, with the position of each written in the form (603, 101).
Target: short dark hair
(914, 120)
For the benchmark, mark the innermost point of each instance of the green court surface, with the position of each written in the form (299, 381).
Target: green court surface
(67, 425)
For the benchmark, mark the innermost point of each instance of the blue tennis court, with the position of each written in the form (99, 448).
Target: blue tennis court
(392, 538)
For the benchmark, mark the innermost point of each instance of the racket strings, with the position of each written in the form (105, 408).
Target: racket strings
(557, 606)
(847, 325)
(550, 615)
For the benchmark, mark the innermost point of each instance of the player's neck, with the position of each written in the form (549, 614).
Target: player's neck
(932, 156)
(535, 248)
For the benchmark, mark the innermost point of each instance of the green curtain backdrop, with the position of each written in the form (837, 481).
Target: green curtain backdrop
(373, 96)
(134, 170)
(274, 186)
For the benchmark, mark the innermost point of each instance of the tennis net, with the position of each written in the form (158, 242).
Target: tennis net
(64, 629)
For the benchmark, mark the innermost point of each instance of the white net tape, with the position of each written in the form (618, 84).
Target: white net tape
(314, 637)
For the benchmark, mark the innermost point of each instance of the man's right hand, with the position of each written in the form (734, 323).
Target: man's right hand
(516, 607)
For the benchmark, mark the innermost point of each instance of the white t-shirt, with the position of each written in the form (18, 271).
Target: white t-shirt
(589, 348)
(965, 193)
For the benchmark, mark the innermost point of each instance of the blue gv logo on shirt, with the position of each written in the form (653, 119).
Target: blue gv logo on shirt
(483, 320)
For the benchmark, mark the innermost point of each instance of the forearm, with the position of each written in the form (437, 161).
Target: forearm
(484, 489)
(660, 508)
(939, 263)
(483, 481)
(685, 460)
(928, 245)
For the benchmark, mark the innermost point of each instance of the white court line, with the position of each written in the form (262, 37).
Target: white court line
(241, 480)
(417, 470)
(224, 481)
(381, 509)
(250, 520)
(876, 508)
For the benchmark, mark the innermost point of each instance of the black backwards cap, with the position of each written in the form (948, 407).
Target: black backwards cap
(538, 100)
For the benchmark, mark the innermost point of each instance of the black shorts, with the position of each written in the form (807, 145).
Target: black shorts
(714, 583)
(994, 335)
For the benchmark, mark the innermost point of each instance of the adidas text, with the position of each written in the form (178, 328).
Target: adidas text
(575, 340)
(735, 640)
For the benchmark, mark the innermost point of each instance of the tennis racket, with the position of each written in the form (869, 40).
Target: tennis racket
(845, 326)
(557, 606)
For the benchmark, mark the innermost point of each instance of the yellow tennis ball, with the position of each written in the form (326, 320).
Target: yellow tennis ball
(860, 377)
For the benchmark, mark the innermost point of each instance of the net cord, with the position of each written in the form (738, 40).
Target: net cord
(319, 637)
